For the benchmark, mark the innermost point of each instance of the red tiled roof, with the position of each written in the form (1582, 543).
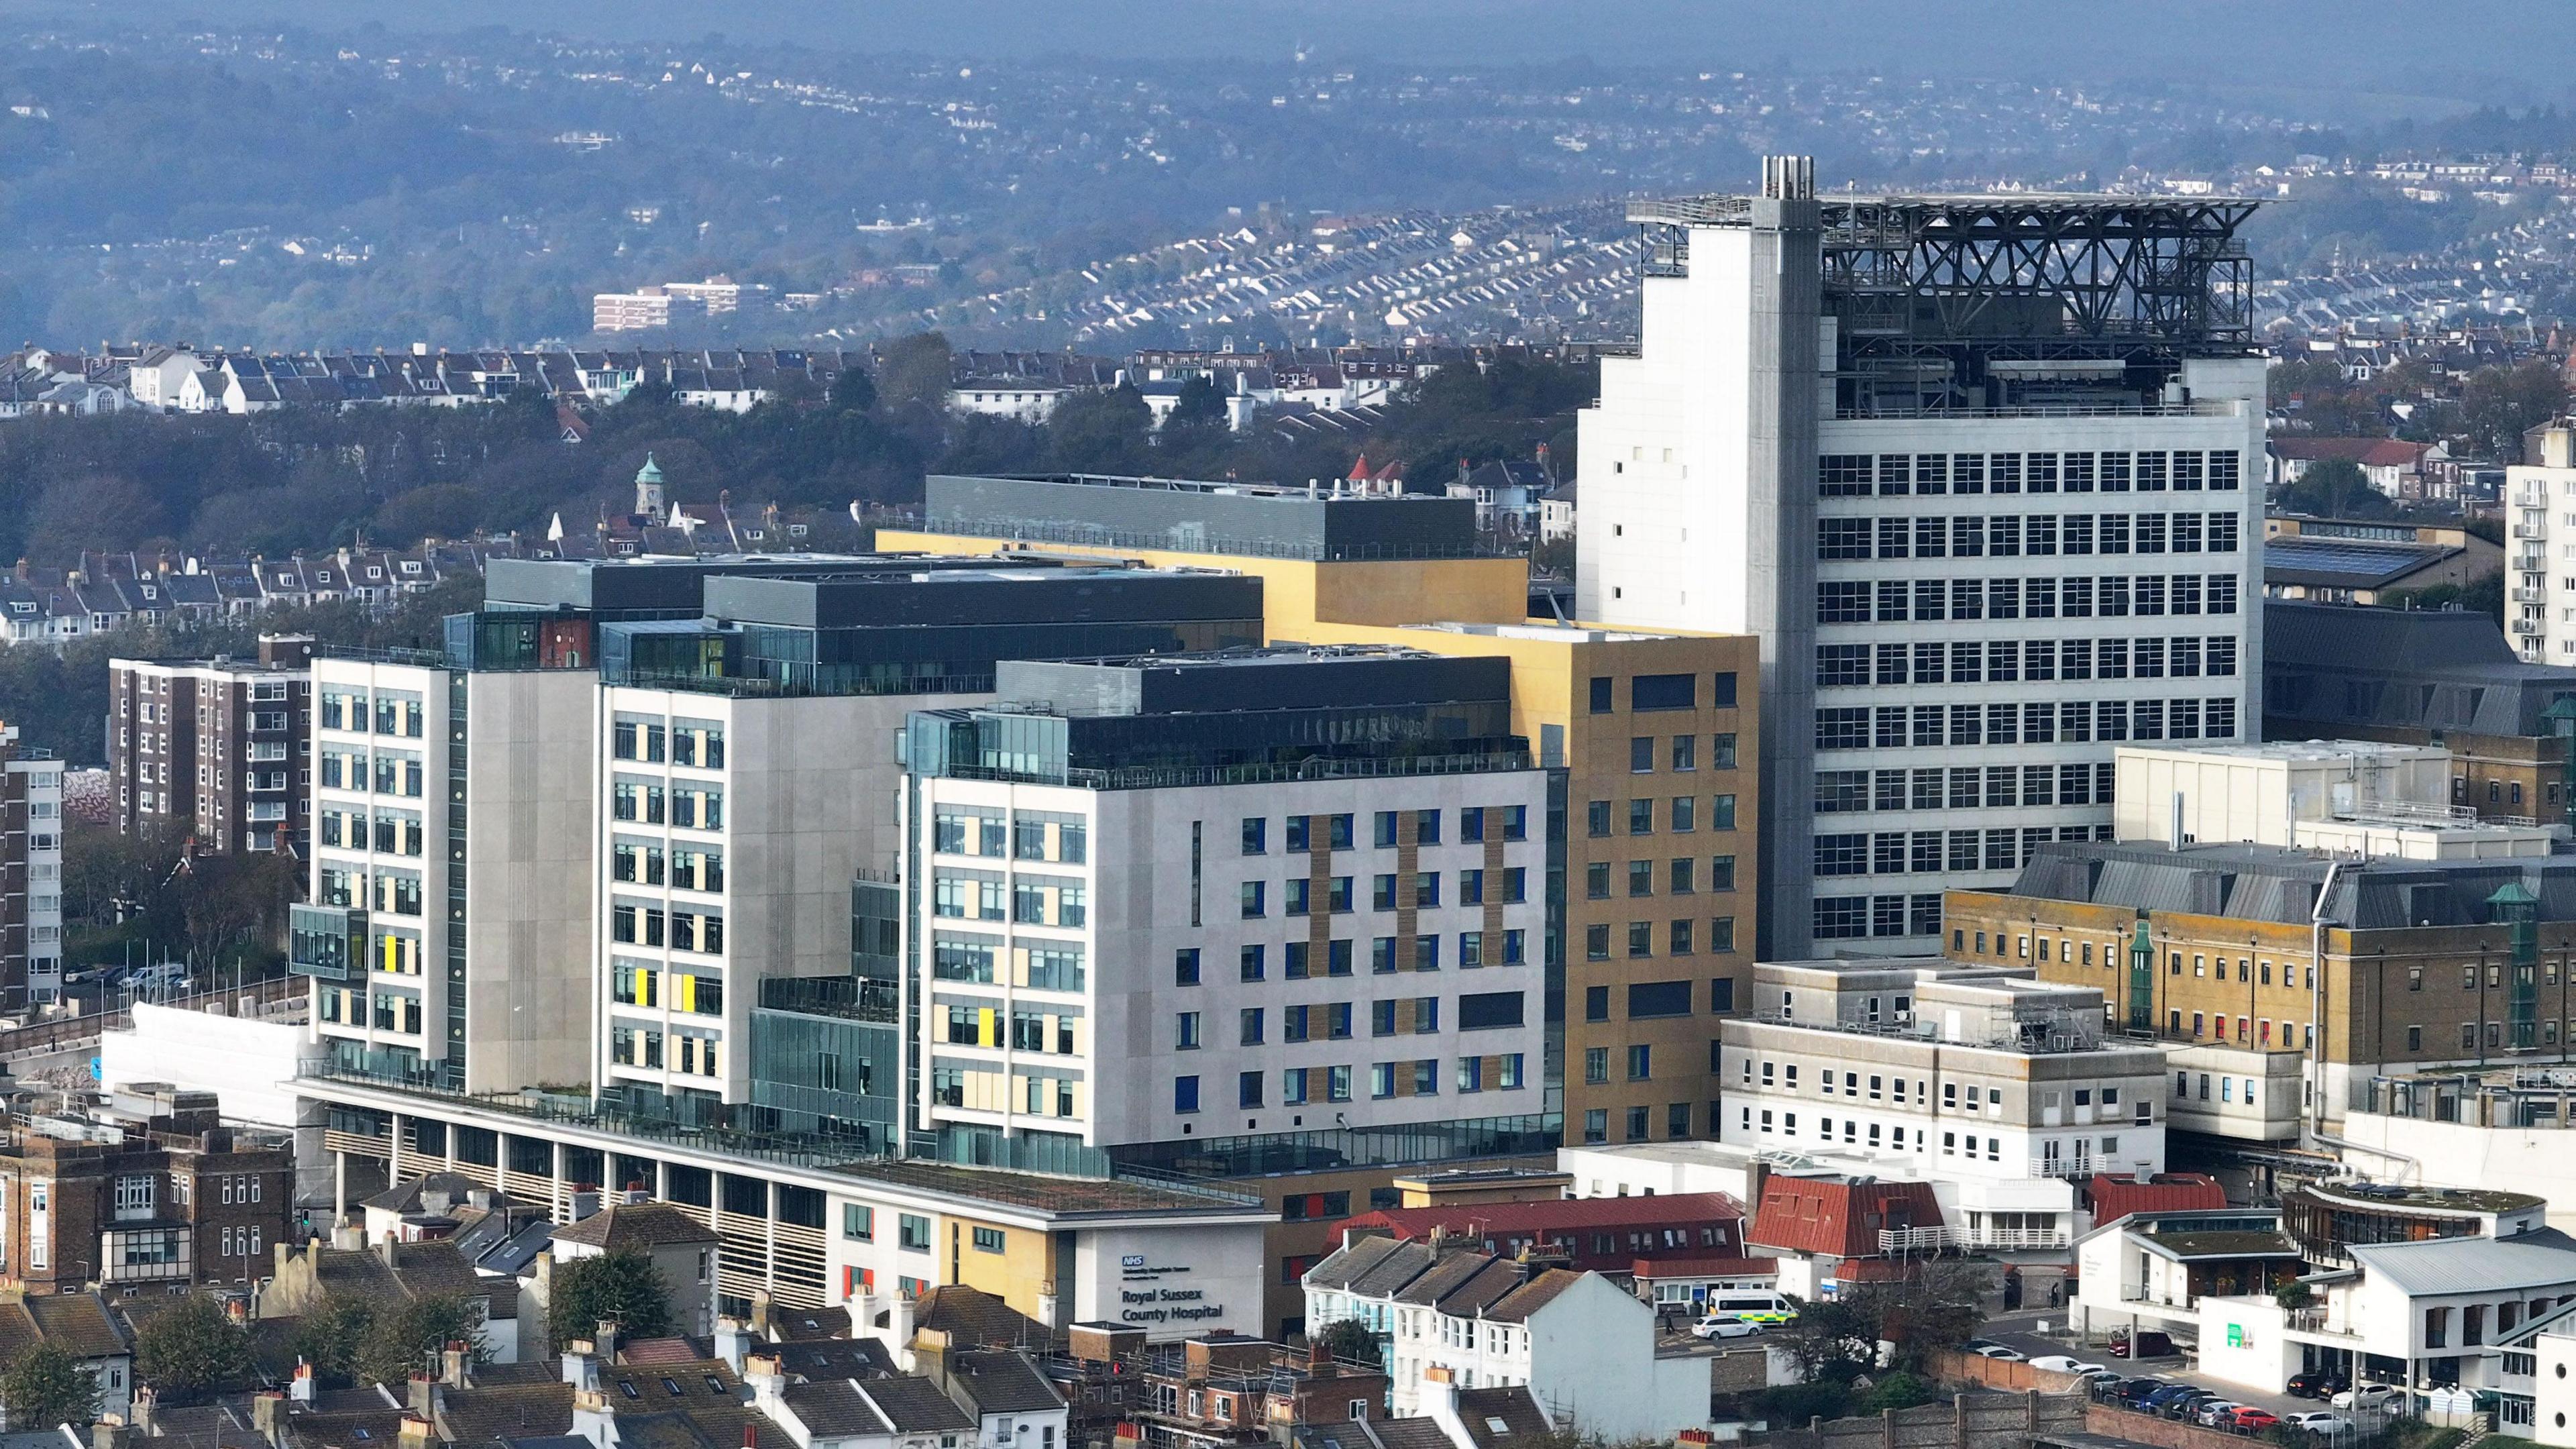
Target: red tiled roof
(1509, 1219)
(2115, 1198)
(1837, 1217)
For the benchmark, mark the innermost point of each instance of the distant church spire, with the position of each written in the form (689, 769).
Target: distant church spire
(648, 492)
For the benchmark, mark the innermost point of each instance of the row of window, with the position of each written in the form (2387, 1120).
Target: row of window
(1034, 900)
(1898, 726)
(1953, 1144)
(392, 774)
(1963, 787)
(700, 931)
(390, 891)
(390, 834)
(1299, 961)
(392, 1010)
(1387, 892)
(1929, 852)
(1681, 815)
(392, 714)
(691, 742)
(1301, 1085)
(1305, 833)
(859, 1225)
(1661, 692)
(636, 984)
(1683, 754)
(1047, 1033)
(2005, 661)
(2082, 596)
(1677, 1123)
(1680, 876)
(1680, 935)
(2250, 1031)
(688, 869)
(1040, 965)
(639, 1046)
(2013, 535)
(1850, 918)
(1881, 1087)
(688, 807)
(1062, 839)
(1394, 1016)
(1847, 475)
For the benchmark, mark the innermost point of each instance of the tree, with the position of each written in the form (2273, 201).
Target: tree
(1937, 1306)
(328, 1337)
(46, 1386)
(1101, 432)
(403, 1341)
(912, 374)
(621, 1287)
(2499, 404)
(1350, 1340)
(2335, 488)
(1831, 1336)
(2293, 1295)
(190, 1349)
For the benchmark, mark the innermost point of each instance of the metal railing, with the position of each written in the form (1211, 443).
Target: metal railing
(1155, 777)
(1867, 411)
(1027, 530)
(1937, 1239)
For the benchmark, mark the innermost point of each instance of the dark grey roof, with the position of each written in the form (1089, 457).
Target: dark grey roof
(2325, 665)
(833, 1358)
(914, 1406)
(1499, 1418)
(2545, 1258)
(834, 1410)
(2270, 883)
(1344, 1265)
(1004, 1383)
(2343, 563)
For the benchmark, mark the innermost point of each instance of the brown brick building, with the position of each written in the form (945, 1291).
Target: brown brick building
(218, 749)
(155, 1192)
(2418, 962)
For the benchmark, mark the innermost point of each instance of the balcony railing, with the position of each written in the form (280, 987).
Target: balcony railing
(1936, 1239)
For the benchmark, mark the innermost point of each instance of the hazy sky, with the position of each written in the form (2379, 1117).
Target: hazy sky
(2513, 50)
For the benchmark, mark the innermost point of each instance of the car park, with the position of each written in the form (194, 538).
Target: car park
(2135, 1392)
(2184, 1408)
(2154, 1403)
(2251, 1420)
(2216, 1411)
(2321, 1423)
(2316, 1384)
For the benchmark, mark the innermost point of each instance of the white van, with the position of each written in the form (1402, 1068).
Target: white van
(1762, 1308)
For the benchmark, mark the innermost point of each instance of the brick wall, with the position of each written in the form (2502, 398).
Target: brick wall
(2163, 1433)
(1968, 1421)
(1952, 1367)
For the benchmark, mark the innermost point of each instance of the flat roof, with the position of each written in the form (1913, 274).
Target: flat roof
(2418, 1196)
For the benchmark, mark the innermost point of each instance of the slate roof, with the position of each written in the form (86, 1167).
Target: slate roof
(1003, 1383)
(833, 1358)
(973, 1318)
(790, 1324)
(1518, 1305)
(79, 1322)
(1498, 1417)
(915, 1406)
(1402, 1434)
(834, 1410)
(2270, 883)
(1345, 1265)
(481, 1414)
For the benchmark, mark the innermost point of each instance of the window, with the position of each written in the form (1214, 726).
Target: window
(913, 1232)
(1256, 835)
(1601, 694)
(1185, 966)
(988, 1240)
(1186, 1032)
(1185, 1094)
(858, 1222)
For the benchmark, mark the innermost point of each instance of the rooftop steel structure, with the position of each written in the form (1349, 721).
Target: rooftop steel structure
(2031, 276)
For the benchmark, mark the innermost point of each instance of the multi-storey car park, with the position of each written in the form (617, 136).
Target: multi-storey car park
(1973, 470)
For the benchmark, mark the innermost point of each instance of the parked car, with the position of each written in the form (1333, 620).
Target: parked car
(2059, 1363)
(2154, 1403)
(2100, 1380)
(1999, 1352)
(1718, 1325)
(2321, 1423)
(2368, 1396)
(2185, 1408)
(2136, 1391)
(2316, 1384)
(2251, 1420)
(2216, 1411)
(2147, 1344)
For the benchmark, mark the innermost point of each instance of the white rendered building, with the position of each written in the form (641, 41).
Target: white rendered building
(1975, 1075)
(1113, 954)
(1984, 531)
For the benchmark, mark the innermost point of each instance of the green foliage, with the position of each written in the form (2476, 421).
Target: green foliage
(1896, 1390)
(1101, 432)
(622, 1287)
(45, 1386)
(2334, 488)
(190, 1349)
(401, 1342)
(1351, 1340)
(2498, 404)
(2293, 1294)
(329, 1337)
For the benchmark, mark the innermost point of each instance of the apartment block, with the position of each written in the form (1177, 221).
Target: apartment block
(31, 873)
(1651, 739)
(2540, 556)
(216, 752)
(1284, 893)
(1986, 517)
